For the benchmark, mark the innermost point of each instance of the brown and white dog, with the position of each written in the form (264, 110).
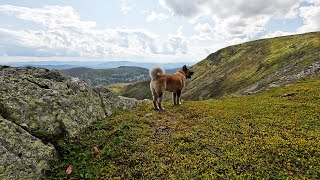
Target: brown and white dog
(174, 83)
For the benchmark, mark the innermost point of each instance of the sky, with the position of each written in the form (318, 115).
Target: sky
(144, 30)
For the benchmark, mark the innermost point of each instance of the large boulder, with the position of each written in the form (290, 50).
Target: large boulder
(22, 156)
(49, 106)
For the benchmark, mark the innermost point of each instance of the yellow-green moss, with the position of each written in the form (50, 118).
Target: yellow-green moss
(272, 135)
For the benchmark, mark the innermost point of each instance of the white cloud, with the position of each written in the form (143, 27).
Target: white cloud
(235, 26)
(52, 17)
(237, 41)
(292, 13)
(243, 8)
(153, 16)
(176, 43)
(277, 34)
(204, 31)
(313, 1)
(65, 34)
(125, 7)
(311, 19)
(203, 28)
(187, 8)
(234, 18)
(91, 43)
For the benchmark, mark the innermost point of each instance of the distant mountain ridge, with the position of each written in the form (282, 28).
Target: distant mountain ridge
(103, 77)
(93, 64)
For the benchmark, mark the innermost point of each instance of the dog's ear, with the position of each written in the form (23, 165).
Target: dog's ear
(184, 67)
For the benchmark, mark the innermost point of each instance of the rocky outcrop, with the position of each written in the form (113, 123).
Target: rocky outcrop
(39, 107)
(22, 156)
(314, 68)
(281, 77)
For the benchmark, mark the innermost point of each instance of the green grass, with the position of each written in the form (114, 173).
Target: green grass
(273, 135)
(117, 88)
(138, 90)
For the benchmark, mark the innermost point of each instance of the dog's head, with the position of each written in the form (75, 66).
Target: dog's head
(187, 71)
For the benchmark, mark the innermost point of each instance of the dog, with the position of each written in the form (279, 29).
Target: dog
(174, 83)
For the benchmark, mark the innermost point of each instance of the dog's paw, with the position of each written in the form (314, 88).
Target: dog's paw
(156, 109)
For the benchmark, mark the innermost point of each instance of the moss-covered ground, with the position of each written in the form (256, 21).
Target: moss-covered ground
(274, 134)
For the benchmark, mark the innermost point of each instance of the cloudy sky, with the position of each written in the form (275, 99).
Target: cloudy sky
(144, 30)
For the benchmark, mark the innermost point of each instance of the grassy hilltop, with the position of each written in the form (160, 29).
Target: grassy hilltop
(247, 68)
(272, 134)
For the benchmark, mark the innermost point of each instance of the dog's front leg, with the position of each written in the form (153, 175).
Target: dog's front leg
(178, 97)
(174, 98)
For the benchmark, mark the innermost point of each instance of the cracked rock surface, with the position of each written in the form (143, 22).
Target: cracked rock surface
(22, 156)
(38, 106)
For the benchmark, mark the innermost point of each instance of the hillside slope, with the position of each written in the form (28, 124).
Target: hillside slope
(138, 90)
(102, 77)
(271, 135)
(252, 66)
(249, 67)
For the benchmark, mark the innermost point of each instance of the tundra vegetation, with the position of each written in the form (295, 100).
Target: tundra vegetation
(271, 134)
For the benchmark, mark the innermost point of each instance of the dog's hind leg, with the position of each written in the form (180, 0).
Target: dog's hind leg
(178, 97)
(174, 98)
(155, 97)
(160, 100)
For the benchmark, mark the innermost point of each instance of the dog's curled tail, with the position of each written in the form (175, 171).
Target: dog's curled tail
(156, 72)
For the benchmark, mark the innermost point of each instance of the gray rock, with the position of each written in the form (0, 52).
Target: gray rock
(284, 75)
(49, 106)
(22, 156)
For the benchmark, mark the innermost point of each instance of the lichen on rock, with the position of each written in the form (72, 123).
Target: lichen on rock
(50, 106)
(22, 156)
